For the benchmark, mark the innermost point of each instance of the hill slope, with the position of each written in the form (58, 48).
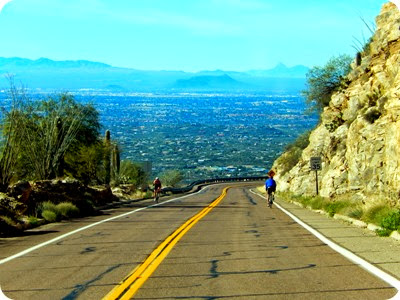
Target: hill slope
(359, 134)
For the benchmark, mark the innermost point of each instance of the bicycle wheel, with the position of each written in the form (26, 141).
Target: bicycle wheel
(270, 200)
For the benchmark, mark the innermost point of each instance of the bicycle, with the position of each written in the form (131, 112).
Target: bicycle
(157, 194)
(270, 199)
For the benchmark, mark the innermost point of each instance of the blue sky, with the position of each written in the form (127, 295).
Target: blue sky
(189, 35)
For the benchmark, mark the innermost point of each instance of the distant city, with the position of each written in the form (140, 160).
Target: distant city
(205, 124)
(204, 135)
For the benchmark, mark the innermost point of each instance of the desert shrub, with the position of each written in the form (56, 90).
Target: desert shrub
(131, 173)
(288, 160)
(322, 82)
(33, 221)
(335, 124)
(67, 210)
(318, 202)
(376, 213)
(86, 164)
(47, 205)
(333, 208)
(301, 142)
(49, 216)
(171, 177)
(392, 221)
(356, 213)
(293, 152)
(383, 232)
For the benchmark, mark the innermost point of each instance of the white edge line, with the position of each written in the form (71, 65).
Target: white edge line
(394, 282)
(7, 259)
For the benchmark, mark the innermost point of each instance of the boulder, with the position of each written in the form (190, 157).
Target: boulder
(20, 191)
(9, 206)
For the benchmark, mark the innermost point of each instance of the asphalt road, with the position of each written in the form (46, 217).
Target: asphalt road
(241, 249)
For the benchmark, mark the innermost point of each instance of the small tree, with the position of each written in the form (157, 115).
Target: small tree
(322, 82)
(86, 164)
(131, 173)
(171, 177)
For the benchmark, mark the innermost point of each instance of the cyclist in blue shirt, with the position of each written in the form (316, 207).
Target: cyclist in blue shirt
(270, 187)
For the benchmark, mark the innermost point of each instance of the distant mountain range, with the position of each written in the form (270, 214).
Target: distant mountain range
(81, 74)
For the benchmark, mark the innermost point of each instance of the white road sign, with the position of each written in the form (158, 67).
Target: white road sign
(316, 163)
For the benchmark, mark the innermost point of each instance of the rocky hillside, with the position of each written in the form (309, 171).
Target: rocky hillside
(359, 134)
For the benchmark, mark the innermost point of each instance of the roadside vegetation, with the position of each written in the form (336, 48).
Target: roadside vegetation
(379, 214)
(57, 139)
(322, 82)
(293, 152)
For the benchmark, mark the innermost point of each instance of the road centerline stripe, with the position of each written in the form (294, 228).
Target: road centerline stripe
(131, 284)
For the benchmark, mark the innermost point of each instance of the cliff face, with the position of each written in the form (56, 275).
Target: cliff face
(359, 136)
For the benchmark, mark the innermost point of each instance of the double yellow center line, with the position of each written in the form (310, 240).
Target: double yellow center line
(128, 287)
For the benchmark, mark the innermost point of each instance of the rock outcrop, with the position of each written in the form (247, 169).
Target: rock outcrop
(359, 134)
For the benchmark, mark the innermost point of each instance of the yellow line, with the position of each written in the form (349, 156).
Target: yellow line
(128, 287)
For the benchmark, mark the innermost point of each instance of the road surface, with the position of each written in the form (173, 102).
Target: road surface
(241, 249)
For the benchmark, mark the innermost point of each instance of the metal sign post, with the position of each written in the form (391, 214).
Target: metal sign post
(316, 164)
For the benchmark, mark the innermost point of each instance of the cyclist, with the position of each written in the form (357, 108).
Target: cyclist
(157, 188)
(270, 187)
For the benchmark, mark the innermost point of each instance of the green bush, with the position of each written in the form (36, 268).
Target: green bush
(293, 152)
(49, 216)
(392, 221)
(376, 214)
(322, 82)
(356, 213)
(131, 173)
(86, 163)
(67, 210)
(318, 203)
(33, 221)
(333, 208)
(383, 232)
(47, 205)
(171, 177)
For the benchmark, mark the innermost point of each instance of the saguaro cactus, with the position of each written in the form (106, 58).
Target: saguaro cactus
(116, 160)
(107, 157)
(60, 163)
